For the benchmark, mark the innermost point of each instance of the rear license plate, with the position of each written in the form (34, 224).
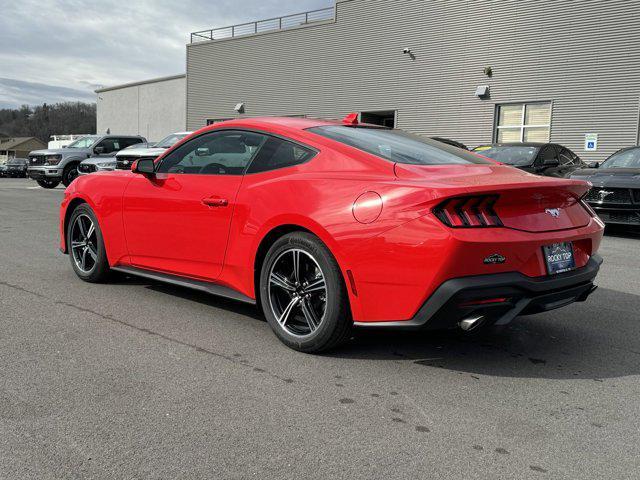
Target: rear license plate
(559, 257)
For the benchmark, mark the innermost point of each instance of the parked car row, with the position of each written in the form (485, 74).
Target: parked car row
(615, 195)
(124, 158)
(51, 167)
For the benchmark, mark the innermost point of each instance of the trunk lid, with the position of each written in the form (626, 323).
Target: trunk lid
(526, 202)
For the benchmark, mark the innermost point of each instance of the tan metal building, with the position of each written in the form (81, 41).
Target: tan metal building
(475, 71)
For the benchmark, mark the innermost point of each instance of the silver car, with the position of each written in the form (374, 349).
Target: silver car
(105, 164)
(123, 159)
(49, 167)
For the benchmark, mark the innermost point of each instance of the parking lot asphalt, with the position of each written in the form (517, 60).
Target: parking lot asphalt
(136, 379)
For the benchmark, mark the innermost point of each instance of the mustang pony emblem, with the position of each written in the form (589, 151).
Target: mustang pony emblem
(554, 212)
(604, 194)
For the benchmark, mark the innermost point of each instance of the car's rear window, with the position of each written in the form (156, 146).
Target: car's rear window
(398, 146)
(520, 156)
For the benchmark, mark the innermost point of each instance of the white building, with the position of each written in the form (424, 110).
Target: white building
(152, 108)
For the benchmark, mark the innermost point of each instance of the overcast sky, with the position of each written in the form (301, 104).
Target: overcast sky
(60, 50)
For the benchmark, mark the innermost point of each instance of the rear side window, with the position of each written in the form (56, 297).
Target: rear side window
(277, 153)
(127, 142)
(110, 145)
(573, 158)
(398, 146)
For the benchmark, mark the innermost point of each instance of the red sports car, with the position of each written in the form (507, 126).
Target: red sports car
(330, 224)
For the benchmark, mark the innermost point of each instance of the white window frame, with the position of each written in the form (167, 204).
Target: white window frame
(522, 125)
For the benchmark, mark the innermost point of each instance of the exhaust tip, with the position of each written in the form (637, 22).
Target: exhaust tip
(471, 323)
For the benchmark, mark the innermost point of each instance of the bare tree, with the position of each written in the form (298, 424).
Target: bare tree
(46, 120)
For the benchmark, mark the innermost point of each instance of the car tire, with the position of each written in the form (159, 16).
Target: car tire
(46, 183)
(306, 306)
(69, 174)
(85, 245)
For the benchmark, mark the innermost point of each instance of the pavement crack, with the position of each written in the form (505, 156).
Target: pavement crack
(21, 289)
(228, 358)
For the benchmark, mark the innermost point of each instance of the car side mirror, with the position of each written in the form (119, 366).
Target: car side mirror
(551, 162)
(99, 150)
(202, 152)
(144, 166)
(593, 165)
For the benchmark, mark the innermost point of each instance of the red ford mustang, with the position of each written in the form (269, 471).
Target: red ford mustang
(330, 224)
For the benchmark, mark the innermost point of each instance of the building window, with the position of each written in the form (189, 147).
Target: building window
(523, 122)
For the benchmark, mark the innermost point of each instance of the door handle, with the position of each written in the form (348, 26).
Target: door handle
(215, 202)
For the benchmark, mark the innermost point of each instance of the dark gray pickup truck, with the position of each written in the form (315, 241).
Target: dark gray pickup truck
(50, 167)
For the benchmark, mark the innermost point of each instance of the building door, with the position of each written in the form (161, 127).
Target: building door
(386, 118)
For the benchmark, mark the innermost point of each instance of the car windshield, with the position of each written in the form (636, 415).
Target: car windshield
(624, 159)
(84, 142)
(511, 155)
(398, 146)
(171, 140)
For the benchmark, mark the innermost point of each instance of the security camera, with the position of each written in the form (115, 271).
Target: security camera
(406, 51)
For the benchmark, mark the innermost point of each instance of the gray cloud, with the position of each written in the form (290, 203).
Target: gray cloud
(17, 92)
(80, 45)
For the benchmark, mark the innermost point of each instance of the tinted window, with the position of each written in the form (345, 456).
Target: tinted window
(567, 157)
(398, 146)
(110, 145)
(623, 159)
(277, 153)
(519, 156)
(216, 153)
(127, 142)
(548, 154)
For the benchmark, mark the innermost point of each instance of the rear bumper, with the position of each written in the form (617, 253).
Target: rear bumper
(465, 297)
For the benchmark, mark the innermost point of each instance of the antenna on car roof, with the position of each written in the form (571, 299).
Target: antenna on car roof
(351, 119)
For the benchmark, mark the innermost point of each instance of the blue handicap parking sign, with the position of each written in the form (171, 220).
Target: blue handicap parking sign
(591, 144)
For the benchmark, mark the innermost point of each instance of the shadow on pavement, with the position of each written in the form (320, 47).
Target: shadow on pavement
(594, 340)
(206, 299)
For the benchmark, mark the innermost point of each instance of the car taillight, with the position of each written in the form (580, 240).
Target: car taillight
(469, 212)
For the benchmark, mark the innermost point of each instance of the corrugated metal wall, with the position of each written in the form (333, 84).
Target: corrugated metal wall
(582, 56)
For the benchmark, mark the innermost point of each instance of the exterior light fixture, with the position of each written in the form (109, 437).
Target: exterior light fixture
(483, 92)
(239, 108)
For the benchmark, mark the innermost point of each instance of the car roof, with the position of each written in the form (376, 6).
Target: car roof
(295, 123)
(119, 136)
